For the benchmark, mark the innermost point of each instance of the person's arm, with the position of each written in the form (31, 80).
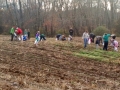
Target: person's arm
(36, 36)
(108, 35)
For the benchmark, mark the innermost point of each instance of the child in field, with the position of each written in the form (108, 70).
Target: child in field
(58, 36)
(115, 45)
(97, 43)
(69, 38)
(28, 34)
(19, 34)
(42, 37)
(62, 38)
(37, 38)
(24, 38)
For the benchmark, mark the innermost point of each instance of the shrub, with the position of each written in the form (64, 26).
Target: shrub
(100, 30)
(117, 28)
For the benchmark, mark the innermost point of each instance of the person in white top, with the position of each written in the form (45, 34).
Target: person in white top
(115, 45)
(85, 37)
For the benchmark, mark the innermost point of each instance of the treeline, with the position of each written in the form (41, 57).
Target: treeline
(57, 16)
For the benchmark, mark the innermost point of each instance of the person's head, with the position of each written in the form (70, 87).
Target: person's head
(13, 27)
(63, 36)
(16, 27)
(25, 29)
(15, 31)
(105, 34)
(38, 32)
(86, 31)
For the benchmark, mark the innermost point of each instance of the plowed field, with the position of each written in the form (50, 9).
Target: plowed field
(53, 65)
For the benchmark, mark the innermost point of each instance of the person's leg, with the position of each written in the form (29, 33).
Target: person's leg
(40, 38)
(85, 42)
(36, 42)
(21, 37)
(44, 38)
(28, 35)
(106, 45)
(115, 49)
(93, 39)
(97, 46)
(12, 35)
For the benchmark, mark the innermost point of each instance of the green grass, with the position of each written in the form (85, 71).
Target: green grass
(99, 55)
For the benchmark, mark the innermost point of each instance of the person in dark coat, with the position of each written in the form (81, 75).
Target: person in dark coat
(42, 37)
(92, 37)
(71, 32)
(97, 43)
(28, 34)
(58, 36)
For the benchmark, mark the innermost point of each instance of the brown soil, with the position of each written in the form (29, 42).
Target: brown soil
(52, 66)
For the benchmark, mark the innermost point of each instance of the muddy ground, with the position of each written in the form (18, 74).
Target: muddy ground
(52, 66)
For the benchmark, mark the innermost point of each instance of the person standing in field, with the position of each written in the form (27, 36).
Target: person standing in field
(12, 31)
(28, 34)
(71, 32)
(97, 43)
(85, 37)
(37, 38)
(105, 39)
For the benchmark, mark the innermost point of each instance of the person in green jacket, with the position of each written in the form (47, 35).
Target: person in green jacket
(105, 39)
(12, 31)
(42, 37)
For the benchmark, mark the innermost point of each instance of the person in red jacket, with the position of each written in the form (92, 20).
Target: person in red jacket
(19, 33)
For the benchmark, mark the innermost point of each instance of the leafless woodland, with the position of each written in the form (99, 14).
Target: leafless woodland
(55, 16)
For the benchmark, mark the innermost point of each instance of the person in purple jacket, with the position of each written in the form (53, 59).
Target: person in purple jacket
(37, 38)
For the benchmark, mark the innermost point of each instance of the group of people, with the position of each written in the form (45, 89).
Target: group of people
(17, 34)
(63, 38)
(104, 40)
(39, 37)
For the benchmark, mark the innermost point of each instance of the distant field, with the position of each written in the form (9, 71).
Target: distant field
(57, 65)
